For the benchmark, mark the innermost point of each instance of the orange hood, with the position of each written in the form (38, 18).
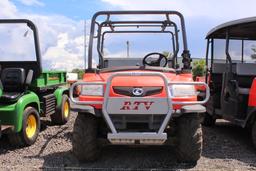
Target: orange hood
(137, 80)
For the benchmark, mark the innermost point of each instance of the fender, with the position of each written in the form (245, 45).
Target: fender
(21, 104)
(58, 94)
(252, 94)
(251, 104)
(251, 114)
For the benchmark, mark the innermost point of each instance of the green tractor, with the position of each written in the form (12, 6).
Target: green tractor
(26, 92)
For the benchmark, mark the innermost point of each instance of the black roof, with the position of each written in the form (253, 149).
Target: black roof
(243, 28)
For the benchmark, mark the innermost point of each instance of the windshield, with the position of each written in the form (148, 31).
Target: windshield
(239, 50)
(132, 47)
(16, 43)
(136, 45)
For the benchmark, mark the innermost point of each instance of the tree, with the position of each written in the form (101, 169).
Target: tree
(253, 56)
(80, 72)
(199, 68)
(169, 56)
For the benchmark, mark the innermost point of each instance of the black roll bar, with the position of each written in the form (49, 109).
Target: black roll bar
(186, 55)
(206, 62)
(227, 51)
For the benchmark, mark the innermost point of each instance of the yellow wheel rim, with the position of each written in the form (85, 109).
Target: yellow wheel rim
(66, 109)
(31, 126)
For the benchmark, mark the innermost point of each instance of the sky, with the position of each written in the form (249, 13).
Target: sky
(60, 22)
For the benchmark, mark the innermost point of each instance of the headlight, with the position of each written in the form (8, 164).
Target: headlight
(182, 90)
(92, 90)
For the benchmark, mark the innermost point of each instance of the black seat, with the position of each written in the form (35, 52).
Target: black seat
(13, 80)
(10, 97)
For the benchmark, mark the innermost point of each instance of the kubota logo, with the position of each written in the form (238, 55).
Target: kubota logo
(135, 105)
(137, 91)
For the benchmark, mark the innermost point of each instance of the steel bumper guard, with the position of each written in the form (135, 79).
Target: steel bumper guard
(158, 137)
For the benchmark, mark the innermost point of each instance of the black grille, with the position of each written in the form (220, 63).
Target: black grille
(137, 122)
(147, 91)
(49, 104)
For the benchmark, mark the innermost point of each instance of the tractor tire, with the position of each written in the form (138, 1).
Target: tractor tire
(189, 138)
(85, 144)
(62, 114)
(30, 129)
(253, 134)
(208, 120)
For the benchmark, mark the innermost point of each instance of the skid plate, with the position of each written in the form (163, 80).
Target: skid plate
(137, 138)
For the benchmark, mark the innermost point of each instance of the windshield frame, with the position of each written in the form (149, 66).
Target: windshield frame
(185, 55)
(33, 27)
(101, 38)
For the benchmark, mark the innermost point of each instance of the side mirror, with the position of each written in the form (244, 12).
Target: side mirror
(29, 77)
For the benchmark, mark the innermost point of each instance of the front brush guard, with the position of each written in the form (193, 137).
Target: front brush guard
(157, 137)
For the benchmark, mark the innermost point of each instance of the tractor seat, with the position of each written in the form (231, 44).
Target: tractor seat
(13, 80)
(10, 96)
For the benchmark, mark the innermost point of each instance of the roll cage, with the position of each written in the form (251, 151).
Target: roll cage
(242, 29)
(113, 25)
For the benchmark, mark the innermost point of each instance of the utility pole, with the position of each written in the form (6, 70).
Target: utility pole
(128, 48)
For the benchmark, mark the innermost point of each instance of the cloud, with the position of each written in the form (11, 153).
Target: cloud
(68, 52)
(62, 42)
(8, 10)
(193, 8)
(200, 15)
(32, 2)
(61, 38)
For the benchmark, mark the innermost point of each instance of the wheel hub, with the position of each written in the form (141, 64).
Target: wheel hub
(66, 109)
(31, 126)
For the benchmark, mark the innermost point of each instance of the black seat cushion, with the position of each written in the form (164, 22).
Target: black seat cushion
(13, 79)
(10, 97)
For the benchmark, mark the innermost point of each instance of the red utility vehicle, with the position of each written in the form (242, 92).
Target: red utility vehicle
(231, 50)
(129, 100)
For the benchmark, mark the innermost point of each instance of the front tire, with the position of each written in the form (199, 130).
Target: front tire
(85, 143)
(30, 129)
(189, 133)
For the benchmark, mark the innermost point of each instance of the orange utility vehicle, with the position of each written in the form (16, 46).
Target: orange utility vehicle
(145, 100)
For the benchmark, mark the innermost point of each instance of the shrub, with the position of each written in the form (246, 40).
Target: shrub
(80, 72)
(199, 68)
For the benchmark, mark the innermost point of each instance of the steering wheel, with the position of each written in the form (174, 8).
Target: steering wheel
(155, 62)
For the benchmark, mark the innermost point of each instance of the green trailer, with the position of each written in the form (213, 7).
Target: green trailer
(26, 91)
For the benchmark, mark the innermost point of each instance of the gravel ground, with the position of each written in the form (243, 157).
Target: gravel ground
(226, 147)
